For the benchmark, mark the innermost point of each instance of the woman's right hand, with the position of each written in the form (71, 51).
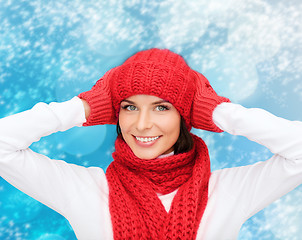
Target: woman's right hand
(98, 103)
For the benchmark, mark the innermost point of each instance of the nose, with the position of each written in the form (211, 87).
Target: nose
(143, 121)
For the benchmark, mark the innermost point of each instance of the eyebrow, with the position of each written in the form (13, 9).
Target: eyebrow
(154, 103)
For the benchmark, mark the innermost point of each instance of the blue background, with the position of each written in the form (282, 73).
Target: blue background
(52, 50)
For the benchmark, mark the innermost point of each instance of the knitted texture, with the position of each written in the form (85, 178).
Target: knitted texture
(156, 72)
(100, 102)
(205, 101)
(137, 212)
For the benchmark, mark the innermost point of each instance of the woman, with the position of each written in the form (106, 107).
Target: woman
(159, 185)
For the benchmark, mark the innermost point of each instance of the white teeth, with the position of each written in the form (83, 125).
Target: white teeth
(146, 139)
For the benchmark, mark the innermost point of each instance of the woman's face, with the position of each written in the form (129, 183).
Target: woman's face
(149, 125)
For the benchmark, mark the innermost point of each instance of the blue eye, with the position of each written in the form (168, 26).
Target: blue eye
(162, 108)
(129, 107)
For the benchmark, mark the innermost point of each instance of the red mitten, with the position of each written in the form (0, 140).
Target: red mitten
(204, 103)
(99, 100)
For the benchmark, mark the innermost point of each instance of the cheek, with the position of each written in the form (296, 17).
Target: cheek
(176, 128)
(121, 122)
(171, 125)
(124, 122)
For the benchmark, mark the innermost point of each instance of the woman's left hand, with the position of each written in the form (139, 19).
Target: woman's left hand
(204, 103)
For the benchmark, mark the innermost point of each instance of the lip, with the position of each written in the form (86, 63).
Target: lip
(146, 144)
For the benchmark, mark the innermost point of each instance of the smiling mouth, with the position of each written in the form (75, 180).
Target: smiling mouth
(146, 139)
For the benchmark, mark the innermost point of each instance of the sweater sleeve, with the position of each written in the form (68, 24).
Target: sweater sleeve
(255, 186)
(53, 182)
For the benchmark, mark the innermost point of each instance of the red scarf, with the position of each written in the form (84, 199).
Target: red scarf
(137, 212)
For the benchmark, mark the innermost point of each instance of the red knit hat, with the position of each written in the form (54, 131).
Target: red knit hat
(160, 73)
(156, 72)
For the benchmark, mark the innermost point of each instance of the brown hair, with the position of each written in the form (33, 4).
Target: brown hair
(184, 142)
